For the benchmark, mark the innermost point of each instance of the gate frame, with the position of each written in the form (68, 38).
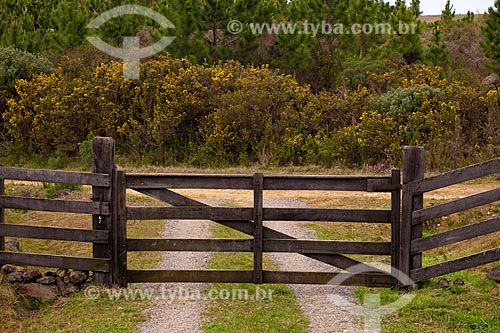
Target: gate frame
(250, 221)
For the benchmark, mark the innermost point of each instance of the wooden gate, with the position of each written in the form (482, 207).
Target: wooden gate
(110, 214)
(415, 215)
(250, 221)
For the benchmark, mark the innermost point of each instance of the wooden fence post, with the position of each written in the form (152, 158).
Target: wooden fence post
(103, 161)
(119, 222)
(258, 228)
(413, 169)
(395, 220)
(2, 219)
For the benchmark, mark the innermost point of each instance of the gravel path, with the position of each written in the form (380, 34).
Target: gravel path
(316, 301)
(180, 314)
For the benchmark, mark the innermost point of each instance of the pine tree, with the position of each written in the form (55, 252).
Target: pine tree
(447, 15)
(437, 54)
(491, 33)
(407, 43)
(415, 6)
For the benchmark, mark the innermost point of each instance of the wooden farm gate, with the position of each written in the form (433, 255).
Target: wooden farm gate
(250, 222)
(110, 213)
(414, 215)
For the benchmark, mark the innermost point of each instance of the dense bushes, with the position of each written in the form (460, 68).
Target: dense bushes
(15, 65)
(231, 114)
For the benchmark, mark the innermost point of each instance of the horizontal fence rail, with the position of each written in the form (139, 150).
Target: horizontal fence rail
(245, 182)
(56, 261)
(455, 177)
(456, 235)
(327, 215)
(49, 205)
(270, 214)
(232, 276)
(51, 176)
(270, 245)
(456, 265)
(191, 245)
(189, 213)
(64, 234)
(459, 205)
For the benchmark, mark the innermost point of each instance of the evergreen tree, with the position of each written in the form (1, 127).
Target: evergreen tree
(447, 15)
(189, 38)
(437, 54)
(214, 17)
(407, 42)
(491, 33)
(415, 6)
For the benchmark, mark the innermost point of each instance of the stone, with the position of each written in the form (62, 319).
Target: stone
(31, 275)
(13, 245)
(14, 277)
(78, 277)
(61, 272)
(46, 280)
(8, 268)
(50, 273)
(38, 291)
(494, 274)
(65, 289)
(444, 283)
(66, 279)
(459, 282)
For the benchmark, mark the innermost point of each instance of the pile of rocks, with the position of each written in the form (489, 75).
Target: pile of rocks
(49, 286)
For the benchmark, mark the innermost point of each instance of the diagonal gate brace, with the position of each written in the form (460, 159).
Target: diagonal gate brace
(246, 227)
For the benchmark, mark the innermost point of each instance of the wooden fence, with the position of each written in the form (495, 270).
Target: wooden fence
(415, 215)
(110, 213)
(100, 207)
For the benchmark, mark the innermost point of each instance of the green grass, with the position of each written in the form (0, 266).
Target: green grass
(281, 313)
(469, 308)
(76, 314)
(80, 314)
(473, 307)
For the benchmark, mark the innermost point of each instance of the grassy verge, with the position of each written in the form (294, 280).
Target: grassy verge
(77, 313)
(279, 313)
(472, 307)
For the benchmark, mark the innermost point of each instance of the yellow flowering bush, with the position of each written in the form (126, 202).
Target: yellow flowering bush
(227, 113)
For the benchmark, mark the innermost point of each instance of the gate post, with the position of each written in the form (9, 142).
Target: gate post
(103, 161)
(395, 220)
(413, 169)
(258, 228)
(119, 223)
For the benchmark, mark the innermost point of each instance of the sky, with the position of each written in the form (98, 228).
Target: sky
(434, 7)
